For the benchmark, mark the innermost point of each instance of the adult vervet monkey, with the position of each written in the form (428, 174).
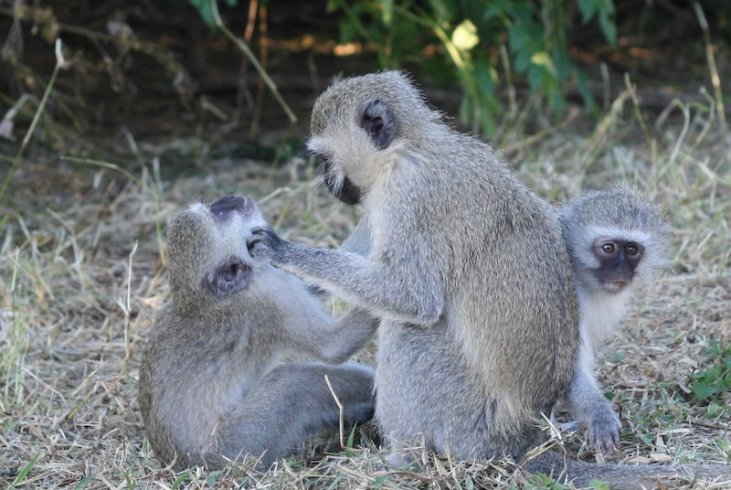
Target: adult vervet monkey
(616, 241)
(212, 384)
(473, 345)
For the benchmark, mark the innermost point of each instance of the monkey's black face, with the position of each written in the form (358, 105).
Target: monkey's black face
(340, 187)
(618, 260)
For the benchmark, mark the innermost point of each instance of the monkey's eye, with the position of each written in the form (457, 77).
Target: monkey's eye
(608, 248)
(631, 249)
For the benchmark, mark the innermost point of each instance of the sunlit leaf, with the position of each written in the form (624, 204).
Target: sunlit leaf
(544, 59)
(465, 36)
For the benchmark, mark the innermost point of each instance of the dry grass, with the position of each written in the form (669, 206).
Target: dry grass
(81, 277)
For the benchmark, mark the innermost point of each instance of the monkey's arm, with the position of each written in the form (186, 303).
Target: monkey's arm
(359, 242)
(405, 289)
(592, 409)
(304, 326)
(336, 342)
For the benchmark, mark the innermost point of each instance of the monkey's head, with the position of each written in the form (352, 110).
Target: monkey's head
(208, 260)
(615, 238)
(358, 121)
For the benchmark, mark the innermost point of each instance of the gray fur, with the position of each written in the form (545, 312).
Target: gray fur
(456, 243)
(212, 386)
(618, 214)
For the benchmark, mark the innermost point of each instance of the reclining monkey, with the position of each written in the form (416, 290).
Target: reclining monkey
(211, 387)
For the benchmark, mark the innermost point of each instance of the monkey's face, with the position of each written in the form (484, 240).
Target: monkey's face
(339, 185)
(618, 260)
(207, 251)
(354, 126)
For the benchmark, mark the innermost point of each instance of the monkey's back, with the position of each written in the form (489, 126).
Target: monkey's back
(510, 327)
(192, 376)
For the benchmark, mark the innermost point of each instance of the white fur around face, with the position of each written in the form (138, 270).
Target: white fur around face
(601, 313)
(632, 235)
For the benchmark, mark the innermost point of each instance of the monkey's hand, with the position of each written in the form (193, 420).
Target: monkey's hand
(265, 242)
(603, 429)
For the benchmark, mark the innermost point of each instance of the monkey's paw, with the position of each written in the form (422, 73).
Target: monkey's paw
(603, 431)
(264, 242)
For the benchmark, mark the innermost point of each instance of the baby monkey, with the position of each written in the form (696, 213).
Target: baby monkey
(616, 240)
(212, 387)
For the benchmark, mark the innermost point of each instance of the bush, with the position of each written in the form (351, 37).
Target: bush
(474, 39)
(469, 40)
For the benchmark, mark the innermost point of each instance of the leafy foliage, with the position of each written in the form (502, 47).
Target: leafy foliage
(469, 41)
(205, 9)
(716, 380)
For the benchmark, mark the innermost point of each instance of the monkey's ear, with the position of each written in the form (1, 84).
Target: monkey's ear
(377, 119)
(228, 278)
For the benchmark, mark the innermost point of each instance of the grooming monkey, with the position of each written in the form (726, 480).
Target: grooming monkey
(466, 269)
(211, 384)
(453, 280)
(616, 240)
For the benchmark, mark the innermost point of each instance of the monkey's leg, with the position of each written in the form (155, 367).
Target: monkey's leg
(292, 403)
(593, 410)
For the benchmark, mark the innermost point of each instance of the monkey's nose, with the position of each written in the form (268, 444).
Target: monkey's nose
(230, 204)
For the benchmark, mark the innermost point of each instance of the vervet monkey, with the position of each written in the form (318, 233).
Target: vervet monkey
(212, 386)
(616, 240)
(466, 268)
(473, 345)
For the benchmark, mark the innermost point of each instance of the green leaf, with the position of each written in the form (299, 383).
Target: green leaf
(588, 9)
(204, 10)
(443, 11)
(544, 59)
(81, 484)
(24, 471)
(351, 439)
(386, 11)
(608, 27)
(599, 485)
(213, 477)
(182, 478)
(704, 391)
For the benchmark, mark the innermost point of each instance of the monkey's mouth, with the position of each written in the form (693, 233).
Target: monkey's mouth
(228, 278)
(339, 185)
(614, 286)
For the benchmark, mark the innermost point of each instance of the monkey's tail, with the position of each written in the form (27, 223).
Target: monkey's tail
(620, 477)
